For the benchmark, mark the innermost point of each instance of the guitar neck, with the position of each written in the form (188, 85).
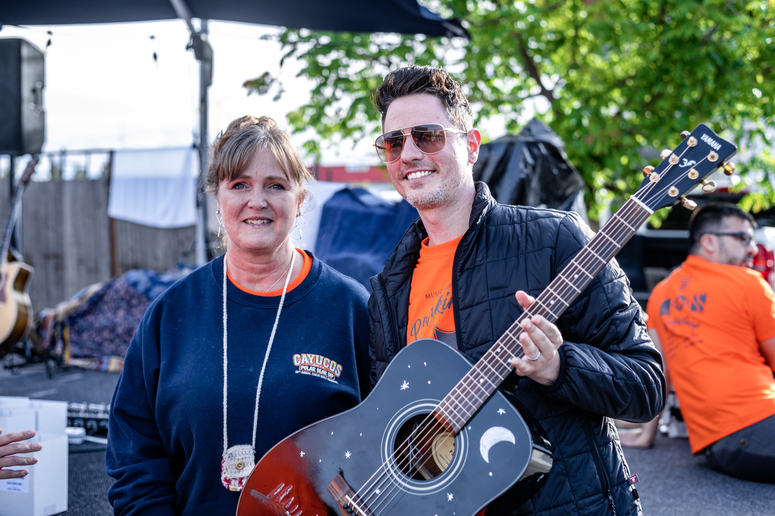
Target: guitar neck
(493, 368)
(9, 225)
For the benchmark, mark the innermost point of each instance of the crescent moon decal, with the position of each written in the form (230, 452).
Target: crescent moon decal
(493, 436)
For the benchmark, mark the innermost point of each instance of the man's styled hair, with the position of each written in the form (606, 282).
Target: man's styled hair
(709, 218)
(414, 80)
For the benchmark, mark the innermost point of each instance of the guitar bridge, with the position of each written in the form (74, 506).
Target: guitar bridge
(348, 503)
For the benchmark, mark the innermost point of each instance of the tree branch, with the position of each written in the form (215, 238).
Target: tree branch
(531, 67)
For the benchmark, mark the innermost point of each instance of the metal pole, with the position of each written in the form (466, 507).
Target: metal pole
(13, 219)
(204, 54)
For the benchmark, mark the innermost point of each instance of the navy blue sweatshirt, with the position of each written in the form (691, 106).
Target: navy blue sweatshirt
(165, 440)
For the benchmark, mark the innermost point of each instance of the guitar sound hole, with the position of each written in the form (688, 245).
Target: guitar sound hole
(423, 448)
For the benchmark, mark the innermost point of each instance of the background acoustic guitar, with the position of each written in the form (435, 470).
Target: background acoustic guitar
(15, 306)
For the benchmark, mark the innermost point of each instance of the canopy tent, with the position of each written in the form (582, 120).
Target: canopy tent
(402, 16)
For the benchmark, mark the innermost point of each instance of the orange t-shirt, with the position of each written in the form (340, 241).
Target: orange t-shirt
(430, 298)
(279, 292)
(710, 319)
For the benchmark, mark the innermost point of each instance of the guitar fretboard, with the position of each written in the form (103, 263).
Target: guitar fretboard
(9, 225)
(490, 371)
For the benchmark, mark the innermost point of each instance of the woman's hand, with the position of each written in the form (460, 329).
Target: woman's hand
(10, 447)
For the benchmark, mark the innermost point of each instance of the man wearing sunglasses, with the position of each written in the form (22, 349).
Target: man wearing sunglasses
(454, 276)
(715, 319)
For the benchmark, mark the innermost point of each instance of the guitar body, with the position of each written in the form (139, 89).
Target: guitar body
(15, 276)
(15, 305)
(498, 447)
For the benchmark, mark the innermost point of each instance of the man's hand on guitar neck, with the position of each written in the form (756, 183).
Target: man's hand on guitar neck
(9, 450)
(540, 341)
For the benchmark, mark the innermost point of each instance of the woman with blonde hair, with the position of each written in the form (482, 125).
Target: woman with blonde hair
(242, 352)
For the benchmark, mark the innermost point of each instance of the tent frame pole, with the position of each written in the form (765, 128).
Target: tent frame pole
(204, 54)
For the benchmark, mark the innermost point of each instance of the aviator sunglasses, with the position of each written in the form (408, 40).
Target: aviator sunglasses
(428, 138)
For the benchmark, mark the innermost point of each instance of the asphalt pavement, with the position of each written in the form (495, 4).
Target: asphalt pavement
(671, 481)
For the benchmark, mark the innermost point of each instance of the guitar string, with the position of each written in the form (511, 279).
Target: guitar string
(592, 248)
(465, 384)
(435, 428)
(547, 309)
(468, 415)
(647, 187)
(515, 330)
(434, 431)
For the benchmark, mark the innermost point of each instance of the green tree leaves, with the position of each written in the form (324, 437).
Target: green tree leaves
(615, 79)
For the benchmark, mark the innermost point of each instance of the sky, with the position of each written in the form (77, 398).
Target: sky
(105, 90)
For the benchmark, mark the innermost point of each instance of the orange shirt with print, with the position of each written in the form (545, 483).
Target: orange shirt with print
(430, 299)
(710, 319)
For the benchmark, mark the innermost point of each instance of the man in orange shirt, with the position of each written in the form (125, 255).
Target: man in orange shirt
(454, 275)
(714, 318)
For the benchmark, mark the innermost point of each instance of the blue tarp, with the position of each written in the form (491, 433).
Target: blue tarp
(358, 231)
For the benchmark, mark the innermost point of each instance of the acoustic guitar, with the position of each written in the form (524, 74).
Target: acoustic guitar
(15, 276)
(436, 436)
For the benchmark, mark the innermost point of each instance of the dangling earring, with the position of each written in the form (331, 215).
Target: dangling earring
(221, 227)
(297, 226)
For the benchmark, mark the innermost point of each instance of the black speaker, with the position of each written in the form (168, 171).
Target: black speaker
(22, 79)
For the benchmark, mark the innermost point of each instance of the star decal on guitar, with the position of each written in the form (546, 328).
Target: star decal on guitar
(450, 496)
(404, 385)
(347, 454)
(301, 454)
(501, 411)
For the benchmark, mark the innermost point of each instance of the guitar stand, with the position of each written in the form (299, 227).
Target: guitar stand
(30, 356)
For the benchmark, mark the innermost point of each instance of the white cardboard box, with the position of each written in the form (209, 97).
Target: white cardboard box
(44, 491)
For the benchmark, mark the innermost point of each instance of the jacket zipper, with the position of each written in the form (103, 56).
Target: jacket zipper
(455, 312)
(600, 470)
(392, 315)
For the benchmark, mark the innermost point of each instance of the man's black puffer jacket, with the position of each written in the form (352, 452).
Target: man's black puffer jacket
(609, 366)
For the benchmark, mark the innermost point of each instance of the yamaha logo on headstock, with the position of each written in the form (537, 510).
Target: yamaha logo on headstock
(710, 141)
(681, 169)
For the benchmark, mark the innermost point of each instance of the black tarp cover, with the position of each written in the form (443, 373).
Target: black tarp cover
(531, 169)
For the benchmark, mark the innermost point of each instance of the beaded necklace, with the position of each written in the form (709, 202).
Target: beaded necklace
(238, 461)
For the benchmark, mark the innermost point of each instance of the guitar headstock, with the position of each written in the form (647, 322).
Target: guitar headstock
(698, 155)
(28, 172)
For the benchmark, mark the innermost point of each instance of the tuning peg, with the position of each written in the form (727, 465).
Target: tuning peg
(729, 168)
(688, 203)
(708, 186)
(684, 134)
(647, 170)
(665, 153)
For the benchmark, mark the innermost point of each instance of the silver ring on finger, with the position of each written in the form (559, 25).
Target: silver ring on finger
(536, 358)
